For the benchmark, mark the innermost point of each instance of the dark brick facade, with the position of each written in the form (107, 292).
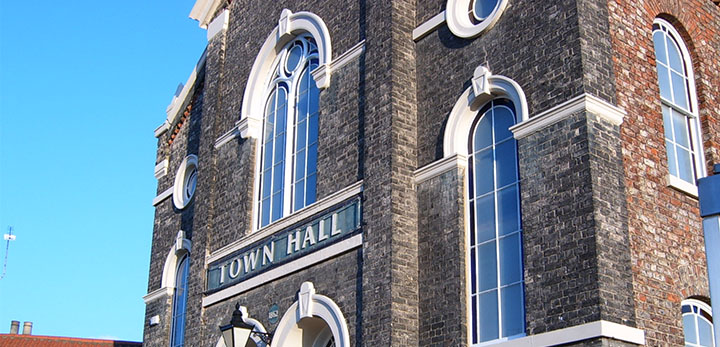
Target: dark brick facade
(604, 238)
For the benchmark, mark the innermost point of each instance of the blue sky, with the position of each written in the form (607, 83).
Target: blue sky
(83, 85)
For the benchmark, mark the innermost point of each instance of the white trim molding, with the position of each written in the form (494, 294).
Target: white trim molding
(439, 167)
(429, 26)
(157, 294)
(203, 10)
(485, 87)
(587, 102)
(458, 18)
(323, 204)
(161, 168)
(289, 26)
(219, 24)
(579, 333)
(285, 269)
(162, 196)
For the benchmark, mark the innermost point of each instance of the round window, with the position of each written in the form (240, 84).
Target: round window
(293, 58)
(185, 182)
(469, 18)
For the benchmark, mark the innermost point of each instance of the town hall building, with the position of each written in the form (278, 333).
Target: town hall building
(438, 173)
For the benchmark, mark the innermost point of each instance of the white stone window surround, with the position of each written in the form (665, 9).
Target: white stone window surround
(458, 14)
(311, 306)
(290, 26)
(485, 88)
(181, 248)
(691, 114)
(185, 181)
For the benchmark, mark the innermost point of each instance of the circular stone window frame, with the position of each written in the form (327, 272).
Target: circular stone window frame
(188, 165)
(458, 18)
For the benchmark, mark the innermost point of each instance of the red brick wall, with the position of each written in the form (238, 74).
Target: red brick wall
(666, 237)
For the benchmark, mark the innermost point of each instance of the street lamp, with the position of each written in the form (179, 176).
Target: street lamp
(237, 332)
(709, 198)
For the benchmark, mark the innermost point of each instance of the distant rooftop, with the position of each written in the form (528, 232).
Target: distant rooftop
(17, 340)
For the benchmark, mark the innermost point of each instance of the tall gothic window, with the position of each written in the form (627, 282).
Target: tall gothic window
(697, 324)
(496, 265)
(177, 336)
(679, 106)
(288, 169)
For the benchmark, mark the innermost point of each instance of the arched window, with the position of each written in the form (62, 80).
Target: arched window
(177, 336)
(495, 240)
(288, 168)
(697, 324)
(679, 107)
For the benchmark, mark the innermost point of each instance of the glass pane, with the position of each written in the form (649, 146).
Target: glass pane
(689, 328)
(314, 97)
(664, 81)
(685, 165)
(279, 148)
(681, 130)
(278, 174)
(300, 165)
(504, 119)
(484, 181)
(277, 206)
(485, 213)
(704, 332)
(265, 212)
(299, 195)
(483, 133)
(667, 123)
(488, 310)
(512, 310)
(672, 162)
(474, 320)
(659, 41)
(506, 162)
(312, 159)
(313, 128)
(281, 107)
(508, 210)
(266, 183)
(303, 104)
(473, 272)
(487, 266)
(679, 90)
(510, 260)
(300, 142)
(310, 190)
(268, 152)
(674, 57)
(483, 8)
(293, 58)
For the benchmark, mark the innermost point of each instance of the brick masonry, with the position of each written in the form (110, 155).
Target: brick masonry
(604, 238)
(665, 229)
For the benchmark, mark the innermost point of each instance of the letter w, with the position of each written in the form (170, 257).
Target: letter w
(251, 260)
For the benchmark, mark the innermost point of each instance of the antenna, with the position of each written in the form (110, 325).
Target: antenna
(8, 237)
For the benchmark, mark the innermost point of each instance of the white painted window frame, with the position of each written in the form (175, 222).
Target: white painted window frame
(703, 306)
(692, 115)
(180, 199)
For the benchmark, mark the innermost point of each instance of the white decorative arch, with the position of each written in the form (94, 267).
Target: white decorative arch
(180, 248)
(458, 20)
(485, 87)
(289, 26)
(311, 306)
